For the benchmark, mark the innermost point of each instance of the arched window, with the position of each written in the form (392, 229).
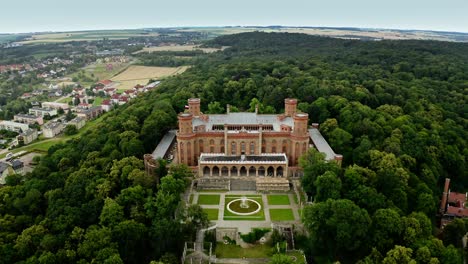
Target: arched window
(242, 147)
(189, 153)
(252, 148)
(233, 148)
(200, 145)
(285, 146)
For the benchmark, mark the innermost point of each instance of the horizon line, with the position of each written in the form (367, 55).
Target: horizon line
(233, 26)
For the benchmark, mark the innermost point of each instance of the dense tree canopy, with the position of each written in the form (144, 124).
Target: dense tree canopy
(396, 110)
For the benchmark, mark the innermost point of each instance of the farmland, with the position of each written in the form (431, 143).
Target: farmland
(177, 48)
(135, 74)
(86, 36)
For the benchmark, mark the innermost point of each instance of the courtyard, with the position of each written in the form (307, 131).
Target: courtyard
(247, 209)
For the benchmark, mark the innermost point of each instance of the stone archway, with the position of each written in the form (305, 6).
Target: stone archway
(270, 172)
(206, 171)
(234, 171)
(280, 171)
(224, 171)
(243, 171)
(261, 171)
(215, 171)
(252, 171)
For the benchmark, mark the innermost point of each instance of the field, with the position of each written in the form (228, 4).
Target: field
(177, 48)
(134, 75)
(86, 36)
(212, 213)
(281, 215)
(208, 199)
(278, 199)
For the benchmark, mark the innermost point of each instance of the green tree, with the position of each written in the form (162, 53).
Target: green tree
(328, 187)
(399, 255)
(112, 213)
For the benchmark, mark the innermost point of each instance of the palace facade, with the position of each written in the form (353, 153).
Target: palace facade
(242, 151)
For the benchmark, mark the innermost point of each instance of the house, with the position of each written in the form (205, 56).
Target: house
(106, 105)
(78, 91)
(5, 170)
(123, 100)
(17, 166)
(90, 113)
(43, 112)
(78, 122)
(13, 126)
(55, 105)
(453, 205)
(52, 129)
(152, 85)
(26, 96)
(129, 93)
(110, 91)
(28, 119)
(27, 137)
(106, 83)
(115, 98)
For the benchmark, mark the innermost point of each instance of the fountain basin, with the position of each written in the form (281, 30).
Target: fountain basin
(235, 206)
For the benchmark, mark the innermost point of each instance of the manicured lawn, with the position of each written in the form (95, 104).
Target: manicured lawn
(191, 199)
(296, 256)
(234, 251)
(281, 215)
(212, 213)
(260, 216)
(208, 199)
(278, 199)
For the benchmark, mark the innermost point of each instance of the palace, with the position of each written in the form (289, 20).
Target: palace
(242, 151)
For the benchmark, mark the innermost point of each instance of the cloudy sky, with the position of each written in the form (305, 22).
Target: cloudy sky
(60, 15)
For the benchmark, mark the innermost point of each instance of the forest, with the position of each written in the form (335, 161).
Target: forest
(396, 110)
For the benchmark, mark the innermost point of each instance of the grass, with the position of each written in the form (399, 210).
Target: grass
(98, 100)
(208, 199)
(281, 215)
(278, 199)
(260, 216)
(191, 199)
(212, 213)
(65, 100)
(297, 256)
(235, 251)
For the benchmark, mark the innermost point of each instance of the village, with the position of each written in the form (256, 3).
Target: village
(50, 119)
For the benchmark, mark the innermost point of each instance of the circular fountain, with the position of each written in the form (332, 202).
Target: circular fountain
(244, 206)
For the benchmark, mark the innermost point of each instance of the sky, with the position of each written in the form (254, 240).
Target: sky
(67, 15)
